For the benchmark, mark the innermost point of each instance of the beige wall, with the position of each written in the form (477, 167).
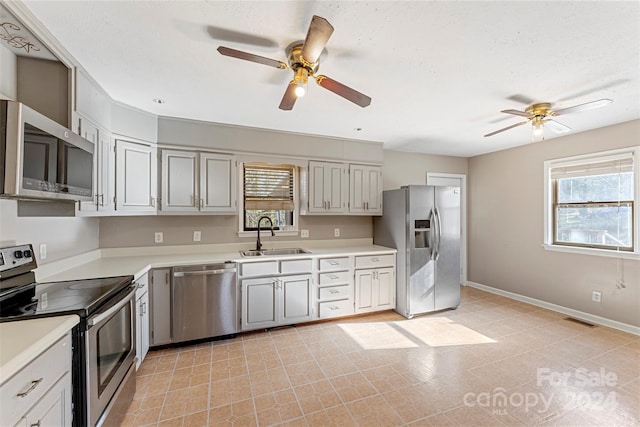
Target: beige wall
(402, 168)
(505, 193)
(44, 86)
(178, 230)
(64, 236)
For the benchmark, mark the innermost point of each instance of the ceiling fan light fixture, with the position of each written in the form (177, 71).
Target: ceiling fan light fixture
(300, 81)
(538, 129)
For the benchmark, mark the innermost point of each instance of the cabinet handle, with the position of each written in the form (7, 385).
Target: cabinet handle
(32, 386)
(334, 277)
(102, 200)
(153, 202)
(36, 424)
(329, 204)
(333, 262)
(333, 307)
(375, 259)
(333, 291)
(201, 203)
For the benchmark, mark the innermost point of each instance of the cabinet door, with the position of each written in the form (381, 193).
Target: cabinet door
(373, 190)
(260, 304)
(106, 172)
(317, 201)
(144, 328)
(327, 187)
(385, 289)
(365, 185)
(160, 309)
(136, 177)
(89, 131)
(365, 291)
(296, 298)
(54, 408)
(179, 181)
(218, 180)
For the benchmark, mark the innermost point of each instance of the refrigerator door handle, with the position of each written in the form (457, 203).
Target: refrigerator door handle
(439, 226)
(432, 239)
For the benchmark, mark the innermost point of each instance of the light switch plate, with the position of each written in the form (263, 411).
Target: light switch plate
(159, 237)
(197, 236)
(43, 250)
(304, 234)
(336, 232)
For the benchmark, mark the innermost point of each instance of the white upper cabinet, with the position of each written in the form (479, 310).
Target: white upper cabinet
(136, 177)
(103, 169)
(91, 101)
(179, 181)
(365, 189)
(328, 188)
(198, 182)
(218, 183)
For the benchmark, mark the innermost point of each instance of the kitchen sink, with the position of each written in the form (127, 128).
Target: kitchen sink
(274, 252)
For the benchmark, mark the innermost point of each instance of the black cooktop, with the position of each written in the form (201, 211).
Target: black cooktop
(82, 297)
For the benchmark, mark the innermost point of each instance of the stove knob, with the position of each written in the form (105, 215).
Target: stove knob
(27, 253)
(17, 254)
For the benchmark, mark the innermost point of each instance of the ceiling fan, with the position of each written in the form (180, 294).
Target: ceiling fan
(303, 60)
(538, 115)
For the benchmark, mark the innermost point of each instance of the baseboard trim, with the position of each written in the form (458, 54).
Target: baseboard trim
(591, 318)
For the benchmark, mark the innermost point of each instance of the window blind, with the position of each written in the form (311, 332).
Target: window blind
(620, 164)
(268, 187)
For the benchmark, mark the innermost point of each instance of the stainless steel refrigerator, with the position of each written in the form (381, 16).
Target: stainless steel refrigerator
(423, 223)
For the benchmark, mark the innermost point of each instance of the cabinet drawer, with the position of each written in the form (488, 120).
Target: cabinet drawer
(328, 264)
(334, 278)
(295, 266)
(33, 381)
(375, 261)
(259, 268)
(333, 292)
(335, 308)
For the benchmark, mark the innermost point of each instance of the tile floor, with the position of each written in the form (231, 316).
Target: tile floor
(493, 361)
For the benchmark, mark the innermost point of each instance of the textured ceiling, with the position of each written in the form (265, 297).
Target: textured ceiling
(438, 72)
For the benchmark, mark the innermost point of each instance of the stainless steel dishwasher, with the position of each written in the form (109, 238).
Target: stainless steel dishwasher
(204, 301)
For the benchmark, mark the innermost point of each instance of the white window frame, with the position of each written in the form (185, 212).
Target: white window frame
(296, 203)
(548, 203)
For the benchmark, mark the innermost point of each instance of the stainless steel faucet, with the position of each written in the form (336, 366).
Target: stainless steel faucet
(258, 242)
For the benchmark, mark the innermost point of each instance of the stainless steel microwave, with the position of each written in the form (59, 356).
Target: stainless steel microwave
(41, 159)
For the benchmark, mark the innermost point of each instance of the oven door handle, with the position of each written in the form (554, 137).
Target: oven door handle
(102, 316)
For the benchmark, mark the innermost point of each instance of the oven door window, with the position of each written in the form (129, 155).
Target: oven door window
(114, 344)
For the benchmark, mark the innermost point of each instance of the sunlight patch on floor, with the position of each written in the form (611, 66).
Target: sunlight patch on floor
(432, 331)
(377, 335)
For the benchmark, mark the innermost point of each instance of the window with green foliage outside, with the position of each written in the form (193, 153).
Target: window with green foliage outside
(593, 204)
(268, 191)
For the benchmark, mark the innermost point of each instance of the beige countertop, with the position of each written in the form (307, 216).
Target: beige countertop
(22, 341)
(134, 261)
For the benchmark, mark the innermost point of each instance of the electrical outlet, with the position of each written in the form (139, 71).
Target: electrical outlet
(43, 251)
(336, 232)
(304, 234)
(159, 237)
(197, 236)
(596, 296)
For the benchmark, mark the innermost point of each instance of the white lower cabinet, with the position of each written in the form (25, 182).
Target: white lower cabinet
(335, 287)
(40, 394)
(375, 289)
(275, 300)
(142, 319)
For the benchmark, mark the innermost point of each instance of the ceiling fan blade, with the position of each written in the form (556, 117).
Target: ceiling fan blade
(507, 128)
(317, 37)
(556, 126)
(517, 113)
(289, 98)
(226, 51)
(582, 107)
(346, 92)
